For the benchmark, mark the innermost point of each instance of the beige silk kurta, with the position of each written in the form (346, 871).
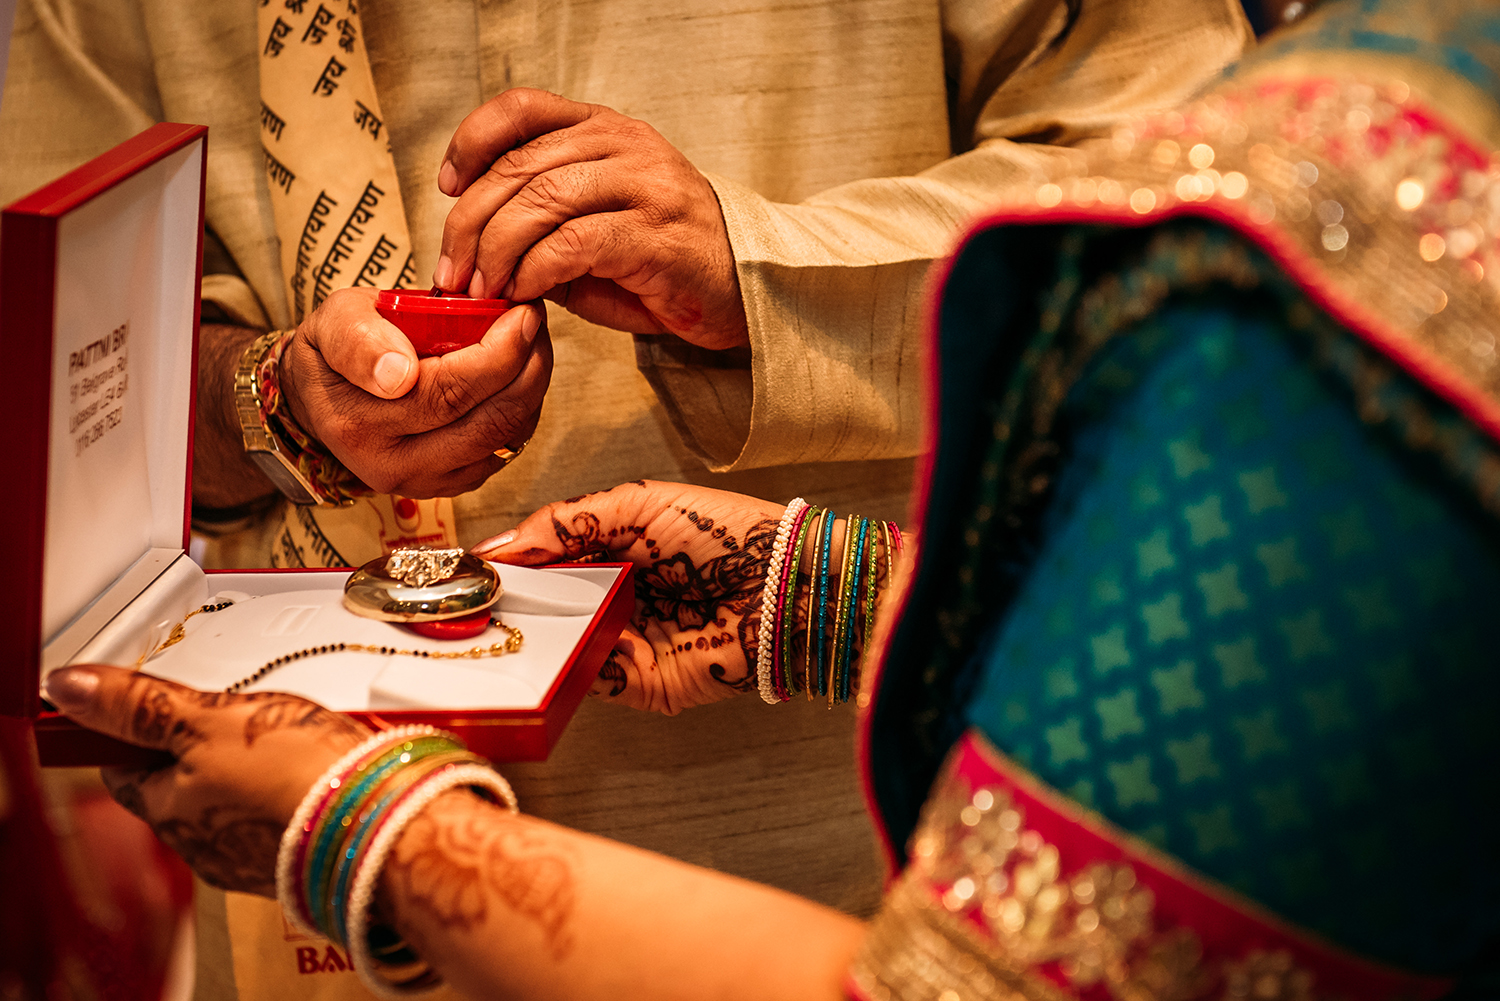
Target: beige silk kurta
(827, 129)
(846, 140)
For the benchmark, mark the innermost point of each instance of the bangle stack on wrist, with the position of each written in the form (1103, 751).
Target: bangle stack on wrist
(337, 842)
(841, 601)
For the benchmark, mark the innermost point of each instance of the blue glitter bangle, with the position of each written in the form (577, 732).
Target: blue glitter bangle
(368, 821)
(847, 652)
(349, 800)
(821, 600)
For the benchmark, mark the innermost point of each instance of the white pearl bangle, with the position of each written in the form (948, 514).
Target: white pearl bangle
(768, 600)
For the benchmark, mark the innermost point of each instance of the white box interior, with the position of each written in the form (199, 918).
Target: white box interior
(275, 614)
(122, 375)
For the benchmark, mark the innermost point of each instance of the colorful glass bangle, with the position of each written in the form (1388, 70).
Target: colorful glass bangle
(356, 809)
(786, 640)
(318, 876)
(294, 838)
(851, 620)
(481, 779)
(815, 533)
(820, 601)
(366, 822)
(785, 598)
(872, 589)
(848, 567)
(768, 604)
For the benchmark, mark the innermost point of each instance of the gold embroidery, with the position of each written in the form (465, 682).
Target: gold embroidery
(1269, 975)
(987, 902)
(1399, 216)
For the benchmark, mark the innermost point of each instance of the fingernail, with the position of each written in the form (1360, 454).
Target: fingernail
(509, 289)
(390, 371)
(498, 542)
(448, 178)
(531, 323)
(72, 688)
(476, 285)
(443, 276)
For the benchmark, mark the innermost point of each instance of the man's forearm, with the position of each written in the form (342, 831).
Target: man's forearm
(223, 477)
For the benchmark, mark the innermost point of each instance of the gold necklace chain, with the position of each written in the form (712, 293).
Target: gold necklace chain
(180, 630)
(511, 644)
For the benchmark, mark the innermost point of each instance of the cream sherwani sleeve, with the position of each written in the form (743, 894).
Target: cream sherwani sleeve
(833, 284)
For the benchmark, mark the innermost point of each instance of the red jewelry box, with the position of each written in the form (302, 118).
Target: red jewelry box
(99, 303)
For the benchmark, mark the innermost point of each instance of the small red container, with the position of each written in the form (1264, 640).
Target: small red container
(436, 325)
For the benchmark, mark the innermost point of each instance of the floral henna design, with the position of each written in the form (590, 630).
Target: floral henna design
(125, 787)
(729, 586)
(452, 861)
(231, 853)
(612, 678)
(155, 720)
(581, 535)
(285, 711)
(674, 590)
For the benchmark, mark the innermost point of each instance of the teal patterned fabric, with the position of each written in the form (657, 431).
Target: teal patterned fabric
(1260, 634)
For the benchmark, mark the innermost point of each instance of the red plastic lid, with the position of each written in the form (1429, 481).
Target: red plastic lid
(448, 304)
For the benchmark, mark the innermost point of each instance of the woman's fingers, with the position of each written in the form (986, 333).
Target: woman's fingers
(609, 521)
(134, 707)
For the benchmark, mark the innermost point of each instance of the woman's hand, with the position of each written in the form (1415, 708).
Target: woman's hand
(700, 558)
(233, 768)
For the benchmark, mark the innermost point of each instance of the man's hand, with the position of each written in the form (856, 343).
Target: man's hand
(425, 428)
(593, 210)
(700, 558)
(233, 767)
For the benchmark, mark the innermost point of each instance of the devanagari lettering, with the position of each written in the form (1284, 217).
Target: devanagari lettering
(346, 28)
(317, 28)
(295, 6)
(274, 41)
(280, 175)
(342, 248)
(328, 82)
(408, 273)
(305, 247)
(374, 265)
(366, 120)
(271, 121)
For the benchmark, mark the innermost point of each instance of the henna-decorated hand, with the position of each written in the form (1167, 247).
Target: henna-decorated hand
(700, 558)
(233, 769)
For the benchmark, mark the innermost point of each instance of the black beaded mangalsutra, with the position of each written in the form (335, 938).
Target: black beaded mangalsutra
(512, 644)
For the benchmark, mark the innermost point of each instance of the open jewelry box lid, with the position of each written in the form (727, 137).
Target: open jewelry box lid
(99, 306)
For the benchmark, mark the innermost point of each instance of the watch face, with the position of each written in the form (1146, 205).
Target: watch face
(281, 475)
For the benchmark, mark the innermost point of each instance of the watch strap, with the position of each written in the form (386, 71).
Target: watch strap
(300, 467)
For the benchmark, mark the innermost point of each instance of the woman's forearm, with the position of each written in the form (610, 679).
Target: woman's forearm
(508, 906)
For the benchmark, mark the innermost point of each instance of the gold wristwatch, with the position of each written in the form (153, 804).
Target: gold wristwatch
(262, 445)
